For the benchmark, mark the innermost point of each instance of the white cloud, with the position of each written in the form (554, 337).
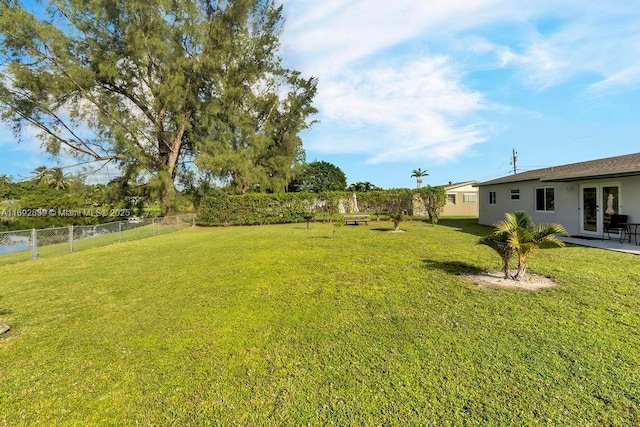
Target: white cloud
(331, 35)
(394, 74)
(628, 77)
(389, 107)
(603, 44)
(416, 107)
(540, 66)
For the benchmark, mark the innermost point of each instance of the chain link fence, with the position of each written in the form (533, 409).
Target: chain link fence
(31, 244)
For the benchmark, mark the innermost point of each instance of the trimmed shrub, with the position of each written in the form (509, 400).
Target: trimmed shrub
(281, 208)
(255, 208)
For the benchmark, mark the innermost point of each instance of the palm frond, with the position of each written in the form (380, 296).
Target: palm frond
(498, 243)
(547, 233)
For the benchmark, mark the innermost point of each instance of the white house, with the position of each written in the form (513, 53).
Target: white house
(581, 196)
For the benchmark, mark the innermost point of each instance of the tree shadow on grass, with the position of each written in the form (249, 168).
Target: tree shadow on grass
(4, 311)
(456, 268)
(382, 229)
(465, 225)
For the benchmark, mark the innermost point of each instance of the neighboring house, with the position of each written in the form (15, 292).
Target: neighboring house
(581, 196)
(462, 199)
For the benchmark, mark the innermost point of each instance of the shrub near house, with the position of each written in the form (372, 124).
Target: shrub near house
(517, 235)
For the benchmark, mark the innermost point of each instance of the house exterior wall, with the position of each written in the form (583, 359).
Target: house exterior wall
(461, 207)
(630, 197)
(491, 213)
(567, 209)
(566, 201)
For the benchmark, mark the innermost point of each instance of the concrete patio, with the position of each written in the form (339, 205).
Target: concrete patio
(612, 245)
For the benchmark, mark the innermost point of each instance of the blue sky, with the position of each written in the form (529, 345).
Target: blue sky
(452, 87)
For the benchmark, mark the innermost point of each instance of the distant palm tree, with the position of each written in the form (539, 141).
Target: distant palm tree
(517, 234)
(58, 179)
(369, 186)
(418, 174)
(53, 177)
(41, 175)
(362, 187)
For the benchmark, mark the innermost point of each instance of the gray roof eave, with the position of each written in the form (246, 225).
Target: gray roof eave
(582, 177)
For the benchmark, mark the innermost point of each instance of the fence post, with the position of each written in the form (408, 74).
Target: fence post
(71, 238)
(119, 231)
(34, 244)
(193, 220)
(153, 227)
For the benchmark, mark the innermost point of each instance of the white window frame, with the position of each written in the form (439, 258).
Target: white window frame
(514, 194)
(535, 199)
(449, 198)
(492, 197)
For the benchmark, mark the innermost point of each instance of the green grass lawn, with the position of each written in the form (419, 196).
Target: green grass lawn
(47, 249)
(280, 325)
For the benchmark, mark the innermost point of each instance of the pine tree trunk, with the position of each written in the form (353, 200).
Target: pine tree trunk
(167, 200)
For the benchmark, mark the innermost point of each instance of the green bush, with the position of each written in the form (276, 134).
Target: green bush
(280, 208)
(258, 208)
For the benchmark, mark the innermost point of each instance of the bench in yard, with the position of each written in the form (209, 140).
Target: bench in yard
(356, 219)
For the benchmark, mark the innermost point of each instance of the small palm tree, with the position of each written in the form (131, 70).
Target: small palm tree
(418, 174)
(500, 244)
(518, 234)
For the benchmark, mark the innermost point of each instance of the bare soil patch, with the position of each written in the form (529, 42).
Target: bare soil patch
(3, 327)
(496, 280)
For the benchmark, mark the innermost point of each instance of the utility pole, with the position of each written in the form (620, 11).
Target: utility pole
(514, 159)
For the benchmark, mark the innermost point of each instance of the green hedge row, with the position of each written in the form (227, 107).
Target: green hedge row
(255, 208)
(280, 208)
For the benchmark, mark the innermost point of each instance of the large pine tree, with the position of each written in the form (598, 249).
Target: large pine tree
(155, 86)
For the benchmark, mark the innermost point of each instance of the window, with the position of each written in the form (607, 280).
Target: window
(469, 198)
(545, 199)
(492, 197)
(515, 194)
(451, 199)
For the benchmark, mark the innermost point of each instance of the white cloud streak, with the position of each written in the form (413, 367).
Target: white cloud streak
(414, 107)
(401, 70)
(332, 35)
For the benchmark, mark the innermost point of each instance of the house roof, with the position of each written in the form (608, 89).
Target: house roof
(610, 167)
(454, 185)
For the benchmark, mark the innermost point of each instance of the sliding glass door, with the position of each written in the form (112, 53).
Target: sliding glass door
(597, 203)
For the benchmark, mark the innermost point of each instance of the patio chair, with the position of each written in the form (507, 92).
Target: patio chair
(617, 224)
